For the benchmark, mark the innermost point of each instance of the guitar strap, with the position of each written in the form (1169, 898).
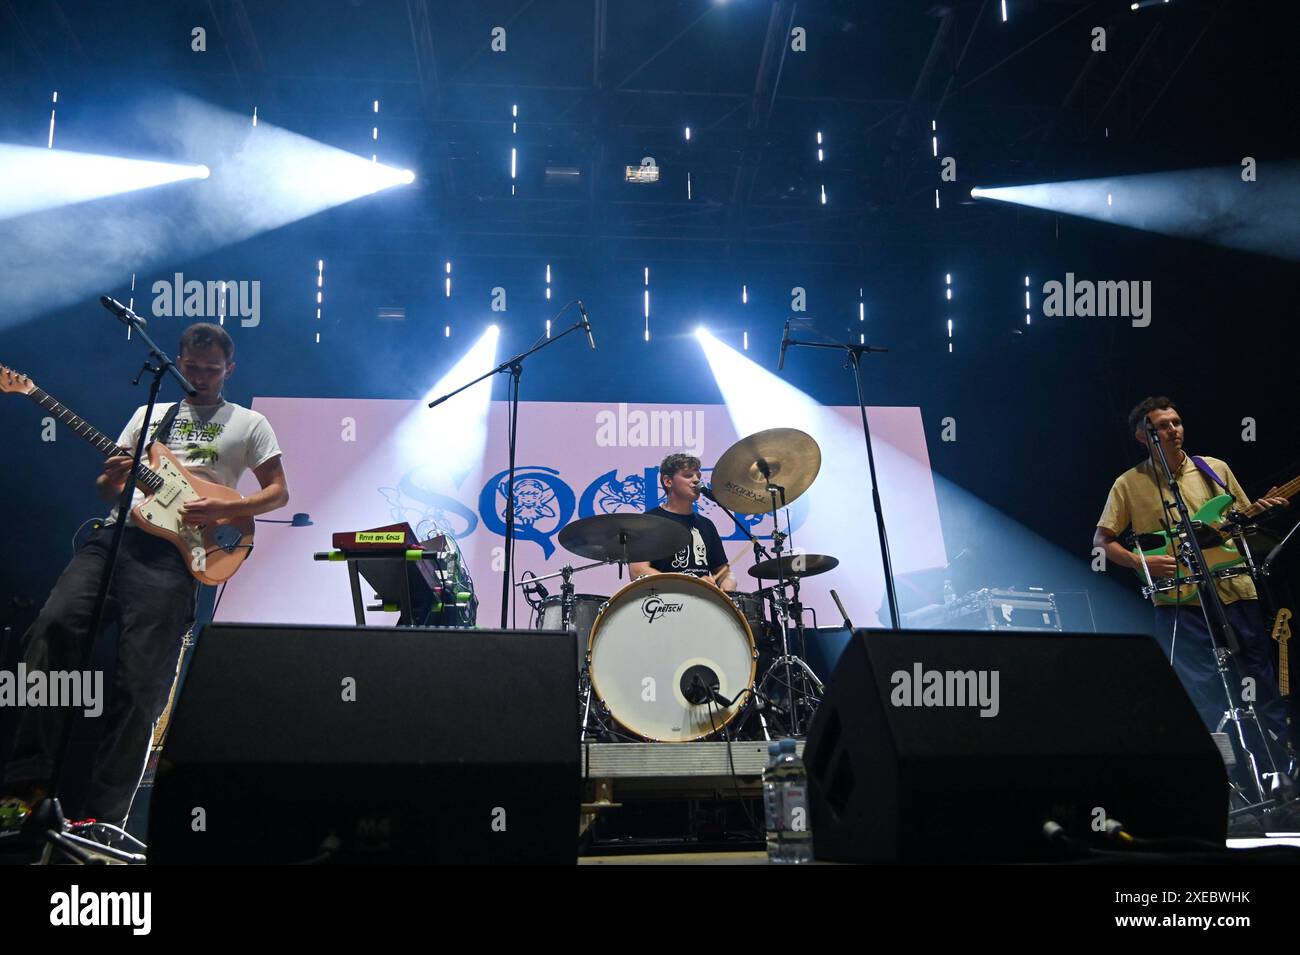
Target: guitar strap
(1208, 472)
(164, 429)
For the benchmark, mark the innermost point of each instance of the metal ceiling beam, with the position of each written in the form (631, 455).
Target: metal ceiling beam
(766, 82)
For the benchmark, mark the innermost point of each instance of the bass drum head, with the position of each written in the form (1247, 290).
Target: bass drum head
(649, 635)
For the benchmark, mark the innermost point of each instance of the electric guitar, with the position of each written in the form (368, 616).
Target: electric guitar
(1221, 553)
(212, 552)
(1282, 633)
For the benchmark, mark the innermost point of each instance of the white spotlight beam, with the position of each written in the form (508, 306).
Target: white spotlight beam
(1210, 205)
(36, 179)
(839, 500)
(262, 178)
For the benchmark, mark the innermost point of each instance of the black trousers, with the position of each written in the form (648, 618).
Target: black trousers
(1194, 661)
(152, 601)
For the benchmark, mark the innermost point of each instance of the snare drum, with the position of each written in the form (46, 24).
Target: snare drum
(649, 643)
(550, 616)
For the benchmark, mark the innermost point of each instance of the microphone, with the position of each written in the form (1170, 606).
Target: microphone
(124, 314)
(699, 684)
(586, 324)
(785, 343)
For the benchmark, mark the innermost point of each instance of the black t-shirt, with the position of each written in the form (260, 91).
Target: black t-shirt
(705, 553)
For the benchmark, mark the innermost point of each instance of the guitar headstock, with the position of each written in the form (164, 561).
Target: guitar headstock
(14, 383)
(1282, 626)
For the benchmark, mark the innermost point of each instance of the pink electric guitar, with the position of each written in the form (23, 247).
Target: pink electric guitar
(212, 552)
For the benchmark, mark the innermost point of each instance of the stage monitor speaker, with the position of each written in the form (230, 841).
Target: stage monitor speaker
(371, 744)
(958, 746)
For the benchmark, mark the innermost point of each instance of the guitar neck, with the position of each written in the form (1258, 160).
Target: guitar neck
(1287, 490)
(147, 478)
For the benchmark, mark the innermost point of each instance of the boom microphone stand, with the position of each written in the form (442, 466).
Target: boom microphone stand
(47, 816)
(515, 366)
(1216, 619)
(854, 353)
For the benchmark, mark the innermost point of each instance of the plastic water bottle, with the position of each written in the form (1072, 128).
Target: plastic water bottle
(785, 797)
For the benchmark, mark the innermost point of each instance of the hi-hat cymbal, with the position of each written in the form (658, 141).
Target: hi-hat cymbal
(783, 456)
(794, 565)
(631, 537)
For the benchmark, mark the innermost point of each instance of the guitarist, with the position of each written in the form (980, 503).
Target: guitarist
(152, 594)
(1136, 501)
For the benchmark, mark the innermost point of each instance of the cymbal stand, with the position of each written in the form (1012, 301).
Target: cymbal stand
(801, 697)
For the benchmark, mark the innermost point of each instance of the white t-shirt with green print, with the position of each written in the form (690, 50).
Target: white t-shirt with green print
(216, 442)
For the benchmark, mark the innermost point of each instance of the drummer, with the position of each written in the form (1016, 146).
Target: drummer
(679, 477)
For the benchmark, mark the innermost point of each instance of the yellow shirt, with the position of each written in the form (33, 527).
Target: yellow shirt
(1136, 500)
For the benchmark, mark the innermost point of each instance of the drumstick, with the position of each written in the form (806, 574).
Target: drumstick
(727, 566)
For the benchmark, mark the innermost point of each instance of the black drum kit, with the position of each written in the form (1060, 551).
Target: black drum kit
(671, 657)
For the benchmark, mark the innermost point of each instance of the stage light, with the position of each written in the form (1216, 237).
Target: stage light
(254, 116)
(514, 155)
(465, 416)
(745, 340)
(688, 134)
(55, 102)
(700, 331)
(934, 145)
(1214, 205)
(688, 187)
(37, 179)
(744, 294)
(823, 194)
(936, 198)
(1004, 11)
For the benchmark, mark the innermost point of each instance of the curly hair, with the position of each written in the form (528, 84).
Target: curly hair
(677, 462)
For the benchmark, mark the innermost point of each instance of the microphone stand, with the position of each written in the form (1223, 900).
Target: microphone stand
(854, 355)
(47, 815)
(1222, 636)
(515, 367)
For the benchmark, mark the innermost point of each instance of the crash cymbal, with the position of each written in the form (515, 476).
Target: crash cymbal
(784, 456)
(604, 537)
(794, 565)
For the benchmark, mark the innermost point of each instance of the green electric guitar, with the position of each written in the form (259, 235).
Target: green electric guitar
(1218, 547)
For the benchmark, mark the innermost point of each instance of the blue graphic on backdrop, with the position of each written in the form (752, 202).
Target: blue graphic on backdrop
(428, 512)
(543, 505)
(611, 494)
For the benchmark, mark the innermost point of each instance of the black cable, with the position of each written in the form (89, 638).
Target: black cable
(217, 602)
(735, 779)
